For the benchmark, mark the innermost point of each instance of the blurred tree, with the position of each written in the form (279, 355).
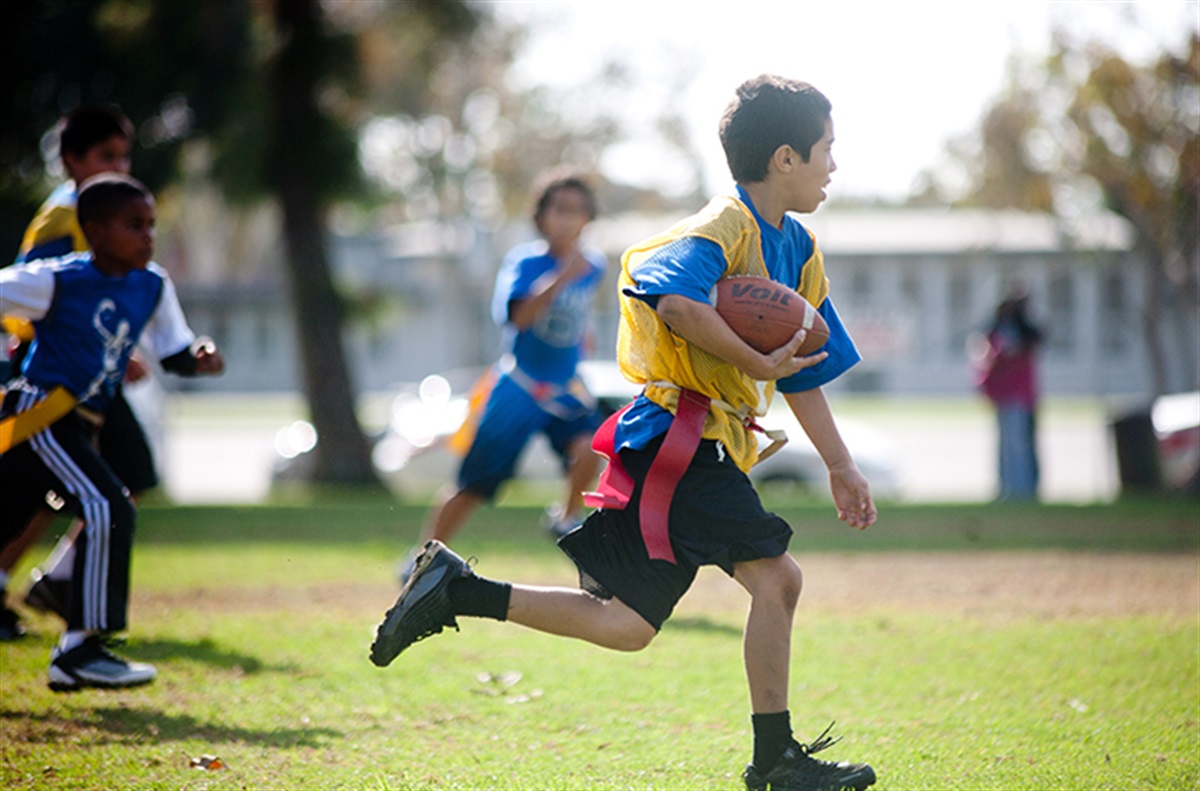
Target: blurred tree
(1089, 126)
(272, 84)
(297, 100)
(311, 154)
(171, 66)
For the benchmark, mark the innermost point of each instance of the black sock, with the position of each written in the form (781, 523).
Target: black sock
(772, 735)
(480, 597)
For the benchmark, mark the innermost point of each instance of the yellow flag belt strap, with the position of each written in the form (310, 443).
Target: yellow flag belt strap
(15, 429)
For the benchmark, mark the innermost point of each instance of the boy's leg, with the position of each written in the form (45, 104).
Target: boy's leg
(16, 549)
(443, 587)
(774, 586)
(583, 468)
(102, 552)
(454, 507)
(779, 760)
(509, 420)
(571, 612)
(20, 477)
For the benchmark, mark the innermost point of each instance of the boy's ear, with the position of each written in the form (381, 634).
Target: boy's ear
(70, 164)
(785, 158)
(94, 232)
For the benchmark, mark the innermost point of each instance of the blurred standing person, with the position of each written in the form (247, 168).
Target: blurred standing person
(1008, 378)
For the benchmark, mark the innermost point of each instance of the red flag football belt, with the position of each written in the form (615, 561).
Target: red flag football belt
(670, 463)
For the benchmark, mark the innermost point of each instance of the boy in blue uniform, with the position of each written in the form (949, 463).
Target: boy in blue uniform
(88, 310)
(94, 139)
(675, 495)
(543, 297)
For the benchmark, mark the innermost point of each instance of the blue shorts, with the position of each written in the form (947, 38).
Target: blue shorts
(512, 416)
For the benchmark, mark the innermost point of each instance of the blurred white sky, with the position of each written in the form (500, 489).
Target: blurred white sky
(903, 77)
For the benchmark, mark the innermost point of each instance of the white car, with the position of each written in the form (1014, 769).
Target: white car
(412, 451)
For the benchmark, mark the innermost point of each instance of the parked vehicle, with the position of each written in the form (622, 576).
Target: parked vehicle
(1176, 420)
(412, 450)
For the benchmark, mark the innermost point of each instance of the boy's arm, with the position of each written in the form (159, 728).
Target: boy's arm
(26, 290)
(851, 492)
(525, 311)
(700, 324)
(169, 337)
(202, 357)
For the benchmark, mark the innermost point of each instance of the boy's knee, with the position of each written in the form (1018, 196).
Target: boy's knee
(628, 631)
(635, 638)
(779, 580)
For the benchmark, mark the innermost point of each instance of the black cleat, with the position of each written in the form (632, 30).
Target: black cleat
(423, 607)
(797, 770)
(49, 595)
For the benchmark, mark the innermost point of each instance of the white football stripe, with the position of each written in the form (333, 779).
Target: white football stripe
(810, 316)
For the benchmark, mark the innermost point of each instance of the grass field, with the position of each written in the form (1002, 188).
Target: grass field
(958, 647)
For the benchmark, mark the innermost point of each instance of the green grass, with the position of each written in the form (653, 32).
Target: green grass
(259, 619)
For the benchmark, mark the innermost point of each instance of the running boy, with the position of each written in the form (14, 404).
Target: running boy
(543, 296)
(88, 310)
(676, 495)
(94, 139)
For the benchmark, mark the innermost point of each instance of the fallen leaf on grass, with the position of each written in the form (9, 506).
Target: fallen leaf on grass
(209, 763)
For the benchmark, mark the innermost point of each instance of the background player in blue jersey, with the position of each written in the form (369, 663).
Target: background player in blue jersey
(88, 311)
(93, 139)
(543, 298)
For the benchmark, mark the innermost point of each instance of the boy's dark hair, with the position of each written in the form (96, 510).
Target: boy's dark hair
(556, 180)
(768, 112)
(100, 197)
(92, 124)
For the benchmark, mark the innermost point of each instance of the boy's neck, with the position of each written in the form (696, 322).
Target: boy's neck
(767, 203)
(563, 250)
(108, 266)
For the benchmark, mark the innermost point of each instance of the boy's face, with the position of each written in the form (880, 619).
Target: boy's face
(564, 217)
(107, 156)
(808, 180)
(125, 241)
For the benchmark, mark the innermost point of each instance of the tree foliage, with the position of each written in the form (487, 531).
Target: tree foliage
(171, 66)
(274, 87)
(1088, 127)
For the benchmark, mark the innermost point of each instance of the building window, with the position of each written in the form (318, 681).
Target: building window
(1114, 316)
(1061, 305)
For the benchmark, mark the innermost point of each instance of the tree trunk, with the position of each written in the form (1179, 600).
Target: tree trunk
(343, 453)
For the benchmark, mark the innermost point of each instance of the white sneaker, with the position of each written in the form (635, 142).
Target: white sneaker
(90, 664)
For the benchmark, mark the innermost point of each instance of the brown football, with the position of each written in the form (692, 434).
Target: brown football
(766, 314)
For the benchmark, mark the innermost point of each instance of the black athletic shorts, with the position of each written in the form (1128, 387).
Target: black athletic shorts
(716, 518)
(124, 446)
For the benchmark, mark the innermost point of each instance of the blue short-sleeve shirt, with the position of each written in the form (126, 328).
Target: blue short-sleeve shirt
(691, 267)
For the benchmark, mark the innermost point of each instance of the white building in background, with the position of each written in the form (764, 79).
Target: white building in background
(912, 285)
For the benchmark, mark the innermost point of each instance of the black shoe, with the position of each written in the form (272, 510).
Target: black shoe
(423, 607)
(10, 623)
(90, 664)
(797, 770)
(48, 595)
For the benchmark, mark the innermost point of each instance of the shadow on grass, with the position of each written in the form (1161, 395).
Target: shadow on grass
(205, 651)
(703, 625)
(123, 725)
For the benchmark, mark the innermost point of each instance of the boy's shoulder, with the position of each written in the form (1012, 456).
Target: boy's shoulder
(529, 249)
(65, 195)
(59, 263)
(62, 200)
